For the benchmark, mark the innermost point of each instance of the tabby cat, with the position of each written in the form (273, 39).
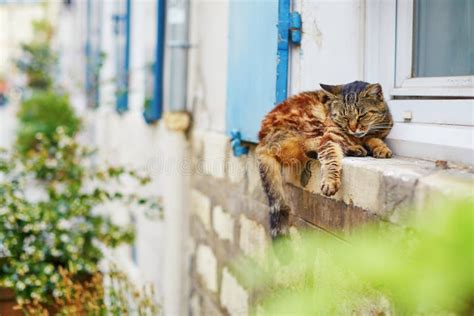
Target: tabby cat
(351, 119)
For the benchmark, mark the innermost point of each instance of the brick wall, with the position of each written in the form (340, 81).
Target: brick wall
(228, 219)
(229, 210)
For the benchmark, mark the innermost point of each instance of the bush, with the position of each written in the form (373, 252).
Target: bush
(54, 225)
(38, 60)
(43, 113)
(424, 268)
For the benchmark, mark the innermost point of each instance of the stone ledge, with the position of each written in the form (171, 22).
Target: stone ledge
(385, 187)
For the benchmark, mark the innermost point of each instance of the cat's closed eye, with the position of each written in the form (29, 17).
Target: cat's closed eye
(365, 114)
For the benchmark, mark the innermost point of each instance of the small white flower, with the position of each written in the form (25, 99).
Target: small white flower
(41, 226)
(62, 209)
(64, 238)
(4, 252)
(51, 163)
(48, 269)
(71, 248)
(29, 250)
(30, 239)
(20, 285)
(3, 211)
(64, 224)
(55, 278)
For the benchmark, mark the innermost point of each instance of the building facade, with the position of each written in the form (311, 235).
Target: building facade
(179, 88)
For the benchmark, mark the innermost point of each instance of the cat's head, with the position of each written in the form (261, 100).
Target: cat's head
(357, 107)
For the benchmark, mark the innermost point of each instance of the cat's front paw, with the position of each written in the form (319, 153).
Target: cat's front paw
(330, 187)
(382, 152)
(356, 151)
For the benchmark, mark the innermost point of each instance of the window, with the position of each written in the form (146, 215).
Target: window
(430, 85)
(435, 48)
(94, 55)
(442, 43)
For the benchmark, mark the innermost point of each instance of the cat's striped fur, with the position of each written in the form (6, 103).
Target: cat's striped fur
(351, 119)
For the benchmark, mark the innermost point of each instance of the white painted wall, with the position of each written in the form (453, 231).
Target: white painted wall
(15, 23)
(332, 48)
(70, 44)
(207, 79)
(128, 140)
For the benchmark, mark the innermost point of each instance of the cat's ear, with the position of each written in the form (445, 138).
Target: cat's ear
(330, 90)
(373, 90)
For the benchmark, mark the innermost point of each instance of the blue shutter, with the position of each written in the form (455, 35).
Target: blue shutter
(252, 64)
(153, 113)
(122, 30)
(259, 37)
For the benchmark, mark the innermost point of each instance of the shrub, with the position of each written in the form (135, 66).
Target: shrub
(59, 225)
(424, 268)
(38, 60)
(43, 113)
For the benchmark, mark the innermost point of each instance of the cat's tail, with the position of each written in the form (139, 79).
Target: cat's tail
(272, 181)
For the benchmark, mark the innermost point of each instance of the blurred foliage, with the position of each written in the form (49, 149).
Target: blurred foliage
(87, 296)
(124, 298)
(55, 206)
(43, 113)
(424, 268)
(50, 203)
(38, 60)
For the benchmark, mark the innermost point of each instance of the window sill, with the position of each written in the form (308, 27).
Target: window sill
(386, 187)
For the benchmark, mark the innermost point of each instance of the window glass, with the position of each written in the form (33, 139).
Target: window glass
(443, 38)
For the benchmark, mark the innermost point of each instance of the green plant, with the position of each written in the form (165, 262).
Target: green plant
(38, 60)
(61, 226)
(111, 293)
(125, 298)
(43, 113)
(424, 268)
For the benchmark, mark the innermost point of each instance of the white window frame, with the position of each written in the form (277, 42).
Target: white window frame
(405, 84)
(434, 116)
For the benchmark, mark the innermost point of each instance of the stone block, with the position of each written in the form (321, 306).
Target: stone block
(210, 308)
(197, 143)
(201, 207)
(236, 168)
(214, 154)
(233, 296)
(253, 238)
(195, 305)
(444, 184)
(223, 224)
(329, 214)
(206, 267)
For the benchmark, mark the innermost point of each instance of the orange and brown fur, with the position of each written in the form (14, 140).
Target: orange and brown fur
(351, 120)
